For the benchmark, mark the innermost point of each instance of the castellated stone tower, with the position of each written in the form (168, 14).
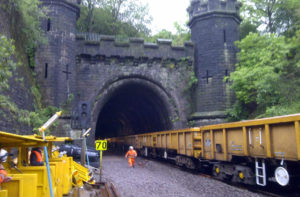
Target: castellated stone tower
(215, 27)
(56, 60)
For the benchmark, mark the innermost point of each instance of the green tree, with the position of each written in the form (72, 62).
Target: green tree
(266, 81)
(247, 27)
(273, 16)
(89, 7)
(115, 17)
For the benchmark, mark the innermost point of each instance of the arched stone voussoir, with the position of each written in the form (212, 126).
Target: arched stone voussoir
(133, 104)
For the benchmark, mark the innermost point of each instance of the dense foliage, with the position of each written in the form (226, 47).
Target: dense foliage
(25, 18)
(115, 17)
(7, 63)
(7, 106)
(24, 24)
(267, 77)
(274, 16)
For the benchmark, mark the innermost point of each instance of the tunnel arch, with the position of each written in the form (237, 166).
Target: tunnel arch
(130, 105)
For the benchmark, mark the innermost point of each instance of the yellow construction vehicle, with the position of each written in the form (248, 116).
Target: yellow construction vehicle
(31, 181)
(57, 178)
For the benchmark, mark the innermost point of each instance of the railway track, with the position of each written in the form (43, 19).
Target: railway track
(276, 190)
(103, 189)
(109, 190)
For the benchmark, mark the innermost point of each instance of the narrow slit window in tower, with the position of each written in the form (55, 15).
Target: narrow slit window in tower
(46, 70)
(224, 34)
(48, 24)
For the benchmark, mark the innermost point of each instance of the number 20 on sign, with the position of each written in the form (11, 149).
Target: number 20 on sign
(101, 145)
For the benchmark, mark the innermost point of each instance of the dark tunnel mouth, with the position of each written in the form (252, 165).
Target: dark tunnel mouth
(132, 108)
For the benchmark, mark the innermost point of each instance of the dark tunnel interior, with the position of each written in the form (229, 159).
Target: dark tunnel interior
(132, 109)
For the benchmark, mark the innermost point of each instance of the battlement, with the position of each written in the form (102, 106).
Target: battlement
(71, 4)
(203, 7)
(109, 46)
(74, 1)
(69, 1)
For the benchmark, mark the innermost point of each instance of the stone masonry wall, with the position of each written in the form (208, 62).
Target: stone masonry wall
(59, 54)
(215, 27)
(104, 61)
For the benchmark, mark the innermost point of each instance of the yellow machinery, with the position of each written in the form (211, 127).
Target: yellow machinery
(31, 181)
(251, 152)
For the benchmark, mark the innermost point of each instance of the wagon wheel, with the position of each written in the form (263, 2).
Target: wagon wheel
(216, 171)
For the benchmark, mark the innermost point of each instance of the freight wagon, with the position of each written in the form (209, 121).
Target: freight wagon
(250, 152)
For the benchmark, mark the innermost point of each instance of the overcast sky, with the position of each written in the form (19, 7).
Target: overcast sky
(166, 12)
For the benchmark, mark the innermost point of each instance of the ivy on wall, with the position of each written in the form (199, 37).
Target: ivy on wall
(25, 16)
(7, 63)
(8, 108)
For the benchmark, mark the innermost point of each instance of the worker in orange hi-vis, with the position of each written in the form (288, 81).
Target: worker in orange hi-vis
(131, 155)
(3, 174)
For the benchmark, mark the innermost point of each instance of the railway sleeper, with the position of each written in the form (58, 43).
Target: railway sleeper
(234, 173)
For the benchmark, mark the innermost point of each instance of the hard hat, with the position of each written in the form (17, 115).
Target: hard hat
(3, 155)
(131, 147)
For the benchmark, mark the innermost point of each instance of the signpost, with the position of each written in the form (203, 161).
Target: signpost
(101, 145)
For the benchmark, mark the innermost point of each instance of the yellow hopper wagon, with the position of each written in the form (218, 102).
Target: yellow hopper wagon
(250, 152)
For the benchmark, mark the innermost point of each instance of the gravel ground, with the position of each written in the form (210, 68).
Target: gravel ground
(155, 179)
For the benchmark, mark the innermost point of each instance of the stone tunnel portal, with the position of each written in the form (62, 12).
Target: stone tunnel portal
(132, 109)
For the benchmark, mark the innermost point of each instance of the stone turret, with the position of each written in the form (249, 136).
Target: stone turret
(215, 27)
(56, 60)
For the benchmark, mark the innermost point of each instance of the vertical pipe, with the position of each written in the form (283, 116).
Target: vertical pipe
(260, 137)
(48, 168)
(166, 141)
(152, 141)
(171, 145)
(184, 142)
(268, 140)
(192, 142)
(178, 151)
(225, 144)
(202, 143)
(245, 141)
(82, 155)
(87, 156)
(297, 129)
(212, 144)
(250, 137)
(48, 171)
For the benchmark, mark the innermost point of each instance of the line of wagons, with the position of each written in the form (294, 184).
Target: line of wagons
(250, 152)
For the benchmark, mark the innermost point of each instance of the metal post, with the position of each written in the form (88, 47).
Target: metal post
(48, 167)
(100, 166)
(82, 156)
(87, 156)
